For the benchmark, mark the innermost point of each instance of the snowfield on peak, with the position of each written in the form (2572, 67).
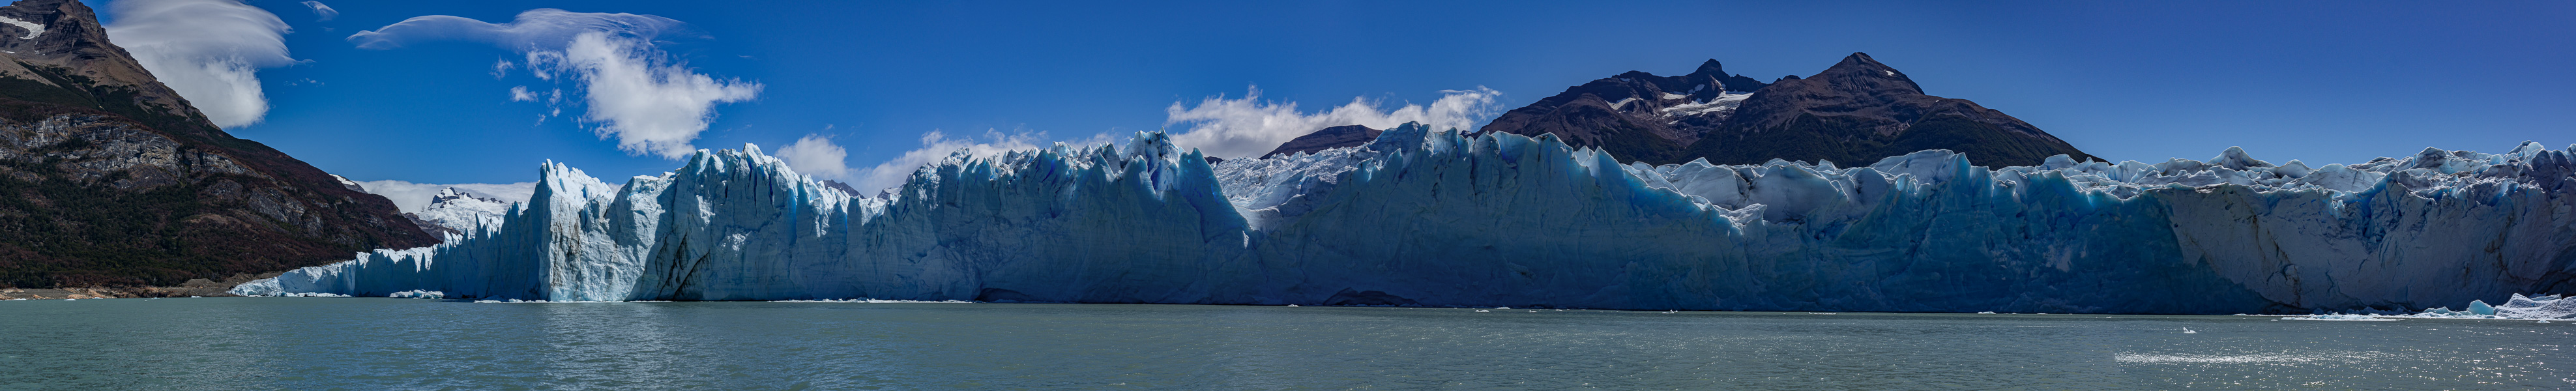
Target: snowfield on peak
(1434, 218)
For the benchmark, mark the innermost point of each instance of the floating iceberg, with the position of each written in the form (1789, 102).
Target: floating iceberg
(418, 294)
(1435, 218)
(2520, 307)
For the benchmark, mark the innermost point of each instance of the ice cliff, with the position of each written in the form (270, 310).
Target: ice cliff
(1420, 217)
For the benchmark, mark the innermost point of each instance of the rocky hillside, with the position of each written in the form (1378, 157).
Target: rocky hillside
(1856, 112)
(109, 178)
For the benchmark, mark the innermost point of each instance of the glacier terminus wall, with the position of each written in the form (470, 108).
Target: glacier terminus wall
(1433, 218)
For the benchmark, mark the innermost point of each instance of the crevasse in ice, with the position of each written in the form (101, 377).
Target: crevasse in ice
(1434, 218)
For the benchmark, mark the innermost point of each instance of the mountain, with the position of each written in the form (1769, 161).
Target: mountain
(1636, 115)
(1328, 138)
(112, 179)
(843, 187)
(456, 211)
(1429, 218)
(1856, 112)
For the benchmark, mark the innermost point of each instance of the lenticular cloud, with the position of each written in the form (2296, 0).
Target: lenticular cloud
(209, 51)
(537, 29)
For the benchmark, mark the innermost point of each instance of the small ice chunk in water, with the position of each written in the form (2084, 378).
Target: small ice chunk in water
(2187, 330)
(418, 294)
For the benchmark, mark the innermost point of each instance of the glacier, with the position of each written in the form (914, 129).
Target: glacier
(1420, 217)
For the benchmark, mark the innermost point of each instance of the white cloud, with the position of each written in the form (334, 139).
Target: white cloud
(502, 68)
(1248, 127)
(816, 156)
(209, 51)
(632, 90)
(412, 197)
(321, 10)
(521, 94)
(649, 106)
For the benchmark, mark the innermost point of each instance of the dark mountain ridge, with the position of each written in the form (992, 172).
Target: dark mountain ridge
(110, 178)
(1856, 112)
(1636, 115)
(1328, 138)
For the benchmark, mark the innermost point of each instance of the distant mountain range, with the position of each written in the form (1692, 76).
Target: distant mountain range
(1854, 113)
(110, 178)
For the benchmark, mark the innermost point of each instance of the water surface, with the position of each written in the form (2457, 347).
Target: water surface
(404, 344)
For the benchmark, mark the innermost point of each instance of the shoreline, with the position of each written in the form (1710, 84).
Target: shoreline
(192, 288)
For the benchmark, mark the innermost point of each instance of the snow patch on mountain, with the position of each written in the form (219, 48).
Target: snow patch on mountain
(1721, 106)
(33, 29)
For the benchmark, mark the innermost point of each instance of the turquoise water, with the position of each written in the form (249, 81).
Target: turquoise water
(403, 344)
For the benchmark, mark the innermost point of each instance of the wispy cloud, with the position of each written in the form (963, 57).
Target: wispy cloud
(322, 11)
(632, 90)
(209, 51)
(412, 197)
(1248, 127)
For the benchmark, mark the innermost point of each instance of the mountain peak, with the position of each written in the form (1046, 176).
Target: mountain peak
(1712, 67)
(1870, 110)
(1859, 58)
(1858, 70)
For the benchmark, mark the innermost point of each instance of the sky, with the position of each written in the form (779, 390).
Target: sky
(416, 95)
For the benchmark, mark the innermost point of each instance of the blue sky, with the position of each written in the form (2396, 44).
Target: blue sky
(2339, 82)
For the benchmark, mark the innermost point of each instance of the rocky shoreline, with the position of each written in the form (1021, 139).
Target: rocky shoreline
(193, 288)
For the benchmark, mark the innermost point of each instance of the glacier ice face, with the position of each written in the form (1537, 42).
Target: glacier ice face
(1434, 218)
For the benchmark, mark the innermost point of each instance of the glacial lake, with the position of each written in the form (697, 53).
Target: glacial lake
(410, 344)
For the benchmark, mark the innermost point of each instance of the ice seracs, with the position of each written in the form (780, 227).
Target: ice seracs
(1433, 218)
